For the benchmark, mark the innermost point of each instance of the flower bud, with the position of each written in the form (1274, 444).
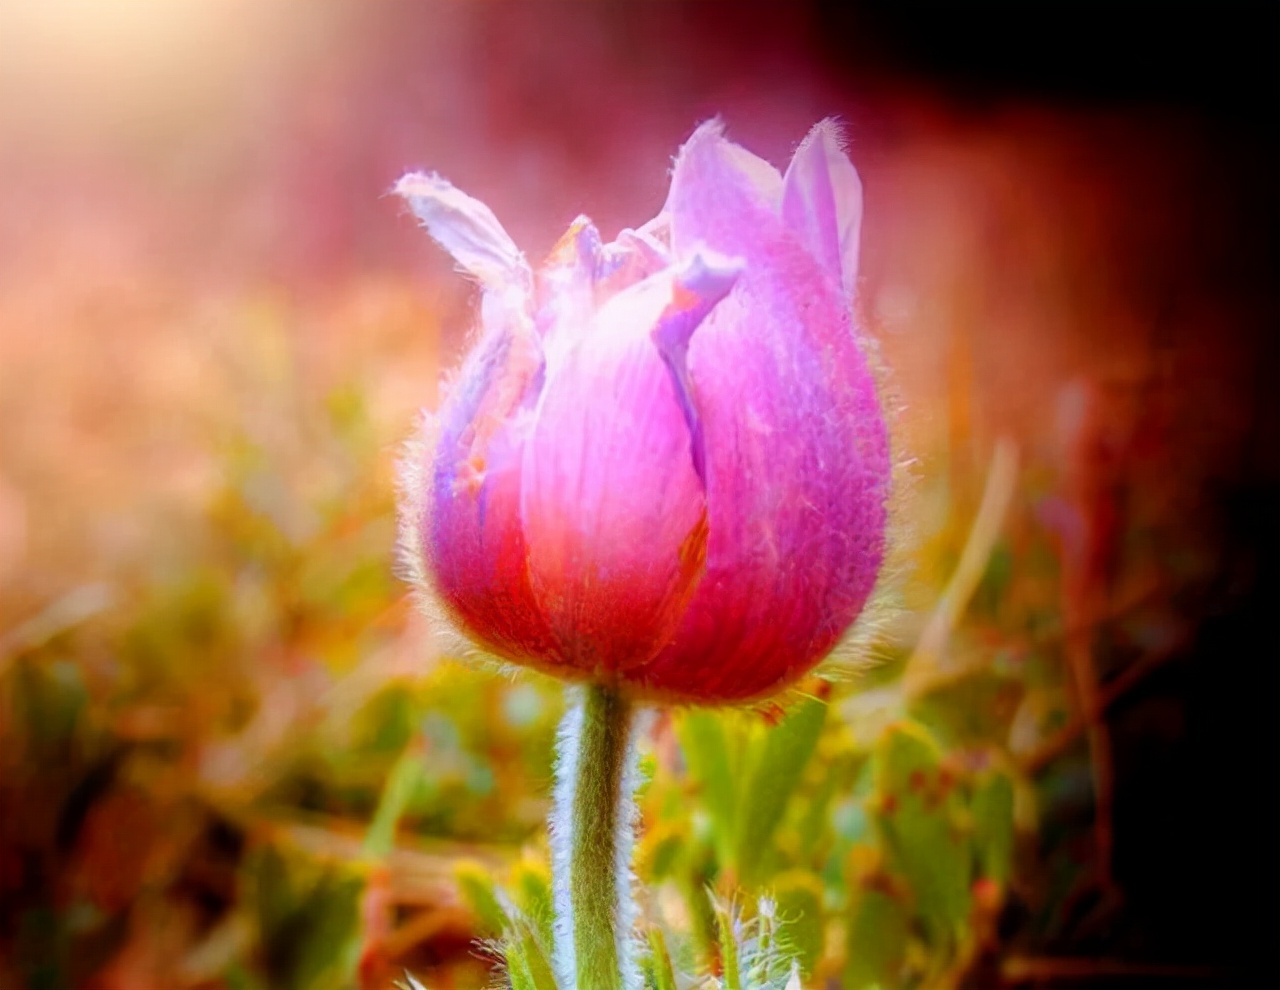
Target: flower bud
(664, 464)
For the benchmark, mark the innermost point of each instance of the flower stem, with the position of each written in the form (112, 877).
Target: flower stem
(592, 835)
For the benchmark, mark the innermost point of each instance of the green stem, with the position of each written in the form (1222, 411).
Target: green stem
(592, 835)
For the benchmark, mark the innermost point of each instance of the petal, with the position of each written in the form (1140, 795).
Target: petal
(761, 177)
(469, 520)
(566, 287)
(472, 537)
(700, 283)
(822, 201)
(464, 227)
(797, 457)
(657, 231)
(613, 507)
(633, 256)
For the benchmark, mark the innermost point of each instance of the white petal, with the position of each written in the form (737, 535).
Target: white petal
(464, 227)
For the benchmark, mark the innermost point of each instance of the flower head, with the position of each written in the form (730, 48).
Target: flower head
(664, 465)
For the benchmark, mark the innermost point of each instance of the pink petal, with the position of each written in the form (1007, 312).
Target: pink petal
(797, 465)
(700, 283)
(566, 286)
(473, 540)
(822, 201)
(613, 508)
(469, 520)
(632, 256)
(764, 181)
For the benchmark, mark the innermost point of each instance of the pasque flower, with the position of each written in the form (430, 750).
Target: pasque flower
(664, 465)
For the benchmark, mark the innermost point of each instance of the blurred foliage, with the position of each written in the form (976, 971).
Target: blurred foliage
(247, 768)
(211, 769)
(232, 756)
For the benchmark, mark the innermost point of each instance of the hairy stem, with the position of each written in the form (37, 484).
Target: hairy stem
(592, 835)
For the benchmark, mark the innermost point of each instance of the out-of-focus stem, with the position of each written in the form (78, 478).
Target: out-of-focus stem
(592, 834)
(924, 666)
(1079, 655)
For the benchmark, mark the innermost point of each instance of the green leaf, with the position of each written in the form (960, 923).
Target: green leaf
(477, 888)
(815, 827)
(518, 974)
(971, 709)
(772, 777)
(533, 896)
(879, 927)
(661, 974)
(706, 753)
(51, 702)
(919, 816)
(727, 937)
(992, 811)
(702, 915)
(527, 962)
(660, 851)
(400, 785)
(308, 919)
(798, 896)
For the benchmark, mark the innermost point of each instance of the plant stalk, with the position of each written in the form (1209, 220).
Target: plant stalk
(592, 835)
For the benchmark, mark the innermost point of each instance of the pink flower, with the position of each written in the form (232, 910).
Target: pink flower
(664, 465)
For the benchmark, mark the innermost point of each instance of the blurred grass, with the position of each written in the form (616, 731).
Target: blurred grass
(240, 763)
(202, 735)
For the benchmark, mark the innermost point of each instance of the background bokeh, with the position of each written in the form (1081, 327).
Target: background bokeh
(230, 754)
